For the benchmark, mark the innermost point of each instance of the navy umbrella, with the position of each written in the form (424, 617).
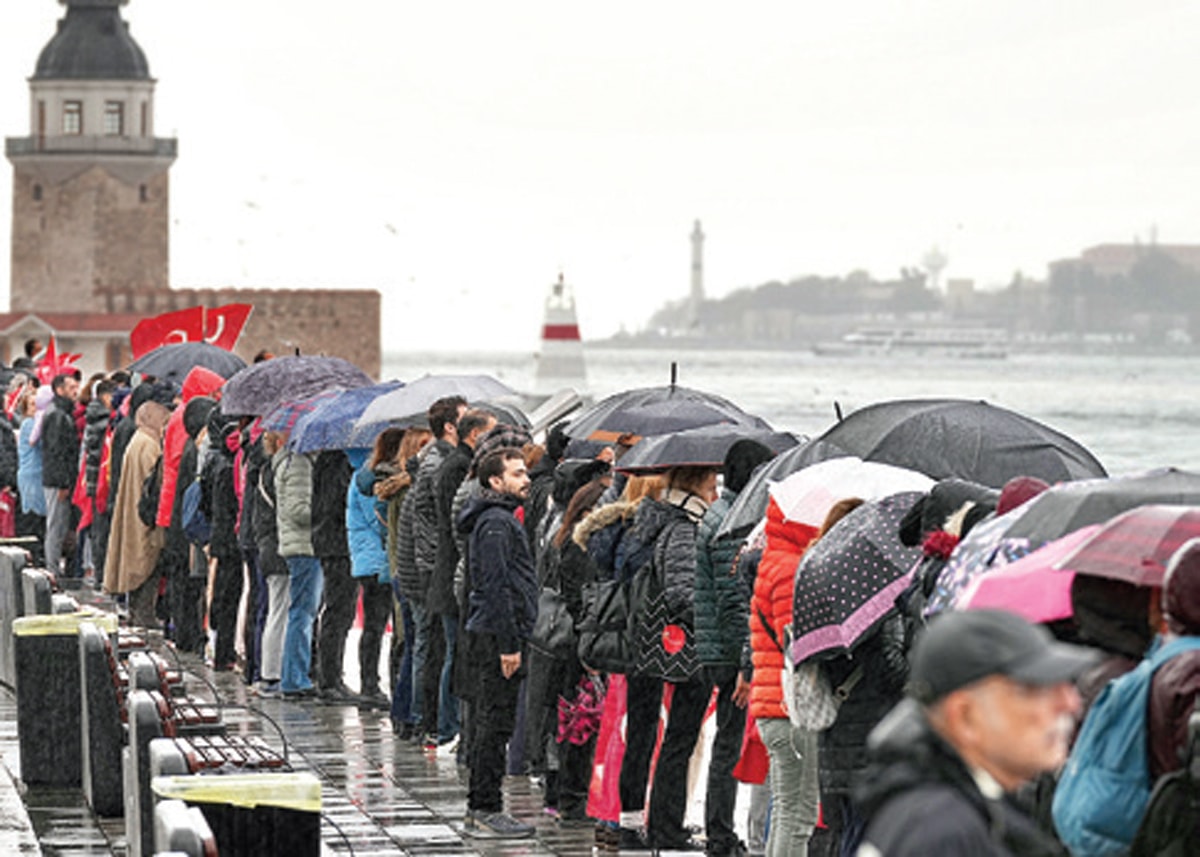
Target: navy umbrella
(173, 362)
(704, 446)
(330, 425)
(658, 410)
(258, 389)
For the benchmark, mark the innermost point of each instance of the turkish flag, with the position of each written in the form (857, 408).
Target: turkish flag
(223, 325)
(170, 328)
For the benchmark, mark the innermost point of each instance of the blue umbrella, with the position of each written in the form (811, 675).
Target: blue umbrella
(330, 425)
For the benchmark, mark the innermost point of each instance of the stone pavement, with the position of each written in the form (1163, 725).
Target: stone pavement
(380, 795)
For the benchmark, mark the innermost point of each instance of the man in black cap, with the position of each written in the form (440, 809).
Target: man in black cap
(991, 706)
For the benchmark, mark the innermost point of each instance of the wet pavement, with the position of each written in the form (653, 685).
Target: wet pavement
(380, 795)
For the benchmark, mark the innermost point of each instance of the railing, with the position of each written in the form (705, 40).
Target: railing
(165, 147)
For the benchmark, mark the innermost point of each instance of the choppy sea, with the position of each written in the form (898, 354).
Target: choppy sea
(1132, 412)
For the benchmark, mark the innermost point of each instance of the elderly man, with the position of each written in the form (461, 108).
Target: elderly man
(992, 705)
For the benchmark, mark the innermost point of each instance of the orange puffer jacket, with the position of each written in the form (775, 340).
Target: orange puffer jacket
(772, 600)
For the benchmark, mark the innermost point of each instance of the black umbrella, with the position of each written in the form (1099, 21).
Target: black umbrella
(1068, 507)
(703, 446)
(259, 388)
(173, 362)
(509, 415)
(848, 580)
(657, 410)
(953, 438)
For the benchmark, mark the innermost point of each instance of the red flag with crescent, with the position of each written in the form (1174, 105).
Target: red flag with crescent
(220, 326)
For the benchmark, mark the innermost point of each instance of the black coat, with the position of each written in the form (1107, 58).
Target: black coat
(920, 800)
(330, 479)
(439, 596)
(95, 428)
(8, 455)
(220, 502)
(261, 493)
(60, 445)
(502, 584)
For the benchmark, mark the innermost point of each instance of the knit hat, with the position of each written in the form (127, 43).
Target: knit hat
(498, 437)
(741, 461)
(1181, 589)
(1018, 491)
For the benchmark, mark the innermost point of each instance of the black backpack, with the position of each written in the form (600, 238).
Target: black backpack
(147, 507)
(1171, 826)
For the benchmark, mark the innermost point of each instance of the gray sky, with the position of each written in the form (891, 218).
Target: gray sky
(460, 154)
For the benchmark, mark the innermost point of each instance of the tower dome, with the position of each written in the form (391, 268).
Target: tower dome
(92, 43)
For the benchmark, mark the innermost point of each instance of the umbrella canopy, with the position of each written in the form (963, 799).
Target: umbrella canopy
(331, 423)
(283, 416)
(509, 415)
(258, 388)
(807, 495)
(173, 362)
(411, 402)
(704, 446)
(848, 581)
(657, 410)
(1031, 586)
(952, 438)
(1068, 507)
(1135, 546)
(984, 548)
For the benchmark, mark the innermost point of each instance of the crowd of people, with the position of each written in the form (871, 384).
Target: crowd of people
(456, 531)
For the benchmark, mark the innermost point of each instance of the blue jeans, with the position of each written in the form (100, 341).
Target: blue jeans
(448, 702)
(421, 623)
(402, 696)
(304, 584)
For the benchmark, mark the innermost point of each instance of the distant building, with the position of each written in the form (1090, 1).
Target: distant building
(1107, 260)
(91, 225)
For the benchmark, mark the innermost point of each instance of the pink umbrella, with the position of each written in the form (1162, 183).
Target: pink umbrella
(1031, 586)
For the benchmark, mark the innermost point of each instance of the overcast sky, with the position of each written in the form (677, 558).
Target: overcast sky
(459, 155)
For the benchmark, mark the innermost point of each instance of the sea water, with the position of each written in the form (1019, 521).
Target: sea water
(1133, 412)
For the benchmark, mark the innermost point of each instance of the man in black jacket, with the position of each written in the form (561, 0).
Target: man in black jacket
(501, 609)
(439, 598)
(992, 706)
(60, 465)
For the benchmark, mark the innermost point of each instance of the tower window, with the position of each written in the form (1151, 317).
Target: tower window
(114, 118)
(143, 194)
(37, 193)
(72, 117)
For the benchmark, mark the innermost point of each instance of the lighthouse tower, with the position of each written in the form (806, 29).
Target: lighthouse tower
(696, 294)
(560, 362)
(90, 190)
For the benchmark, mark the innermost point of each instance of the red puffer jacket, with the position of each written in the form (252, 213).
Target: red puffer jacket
(772, 600)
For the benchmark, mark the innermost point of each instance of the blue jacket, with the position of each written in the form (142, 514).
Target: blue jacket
(366, 530)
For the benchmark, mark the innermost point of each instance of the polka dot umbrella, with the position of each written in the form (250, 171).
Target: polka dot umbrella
(848, 581)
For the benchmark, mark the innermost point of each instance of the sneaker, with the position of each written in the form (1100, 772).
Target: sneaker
(339, 694)
(300, 694)
(270, 689)
(495, 825)
(374, 699)
(448, 749)
(429, 742)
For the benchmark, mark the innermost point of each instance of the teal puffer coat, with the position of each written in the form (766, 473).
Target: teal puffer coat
(721, 603)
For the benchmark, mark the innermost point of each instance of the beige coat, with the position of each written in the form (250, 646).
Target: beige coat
(133, 547)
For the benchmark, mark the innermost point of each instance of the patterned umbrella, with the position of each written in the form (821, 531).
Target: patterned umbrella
(1135, 546)
(173, 362)
(283, 416)
(985, 547)
(848, 581)
(330, 425)
(657, 410)
(807, 496)
(1030, 586)
(258, 388)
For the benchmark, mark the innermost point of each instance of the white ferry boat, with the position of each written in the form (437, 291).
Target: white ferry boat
(984, 343)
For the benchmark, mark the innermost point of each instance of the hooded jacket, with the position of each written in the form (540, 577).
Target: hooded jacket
(123, 434)
(722, 606)
(772, 601)
(199, 382)
(95, 427)
(133, 548)
(366, 530)
(293, 502)
(920, 800)
(219, 497)
(424, 514)
(331, 478)
(502, 584)
(448, 479)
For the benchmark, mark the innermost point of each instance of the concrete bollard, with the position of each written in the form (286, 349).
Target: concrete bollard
(12, 607)
(254, 815)
(49, 695)
(181, 829)
(102, 730)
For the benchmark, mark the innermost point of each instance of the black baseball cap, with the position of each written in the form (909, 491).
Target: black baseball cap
(959, 648)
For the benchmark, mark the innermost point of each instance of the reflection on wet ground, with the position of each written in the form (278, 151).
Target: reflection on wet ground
(380, 795)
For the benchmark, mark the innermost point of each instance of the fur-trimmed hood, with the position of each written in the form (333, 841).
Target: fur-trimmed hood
(601, 517)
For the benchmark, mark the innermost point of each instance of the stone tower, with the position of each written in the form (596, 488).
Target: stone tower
(696, 293)
(90, 182)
